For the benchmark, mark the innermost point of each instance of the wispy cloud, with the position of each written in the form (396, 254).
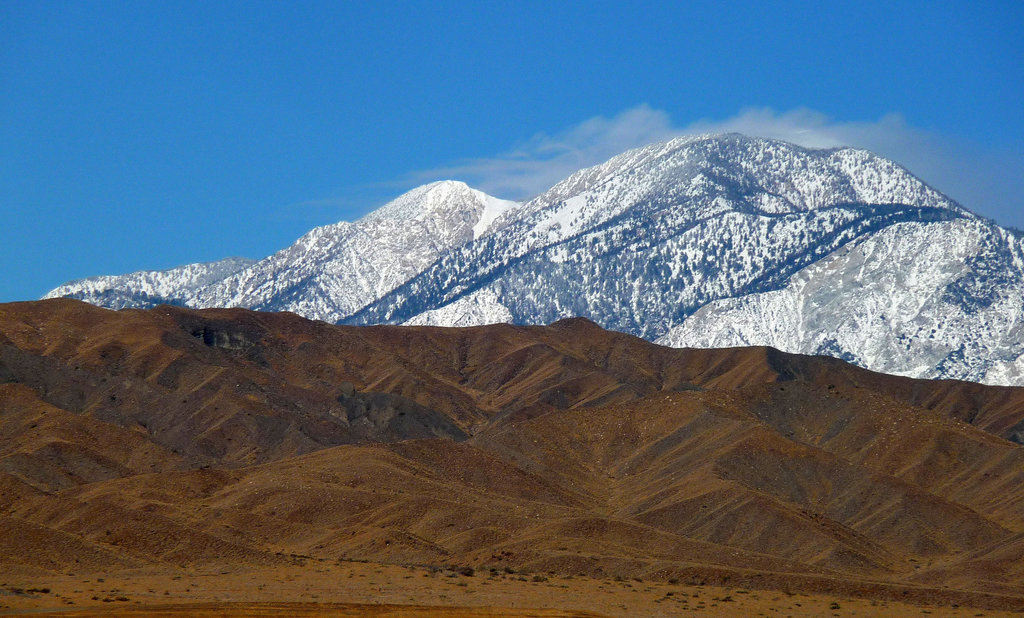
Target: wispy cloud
(807, 127)
(985, 180)
(989, 181)
(539, 162)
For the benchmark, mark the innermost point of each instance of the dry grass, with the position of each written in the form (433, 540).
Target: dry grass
(367, 589)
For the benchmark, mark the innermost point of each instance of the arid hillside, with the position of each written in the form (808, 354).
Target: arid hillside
(170, 438)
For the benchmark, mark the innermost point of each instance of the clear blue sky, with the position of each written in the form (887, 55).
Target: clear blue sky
(138, 135)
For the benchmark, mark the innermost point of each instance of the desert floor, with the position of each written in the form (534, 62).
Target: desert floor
(354, 588)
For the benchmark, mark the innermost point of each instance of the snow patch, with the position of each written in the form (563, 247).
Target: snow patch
(475, 309)
(493, 209)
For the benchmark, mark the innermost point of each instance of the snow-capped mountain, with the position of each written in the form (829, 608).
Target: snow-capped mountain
(641, 242)
(332, 270)
(698, 241)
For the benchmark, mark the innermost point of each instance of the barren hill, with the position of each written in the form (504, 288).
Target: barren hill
(167, 437)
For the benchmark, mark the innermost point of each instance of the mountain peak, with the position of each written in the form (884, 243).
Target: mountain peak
(425, 200)
(715, 173)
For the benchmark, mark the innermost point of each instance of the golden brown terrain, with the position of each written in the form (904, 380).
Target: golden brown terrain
(223, 447)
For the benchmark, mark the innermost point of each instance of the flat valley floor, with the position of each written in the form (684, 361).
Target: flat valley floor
(326, 588)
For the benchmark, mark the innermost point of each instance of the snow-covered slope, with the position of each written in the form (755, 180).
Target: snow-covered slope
(334, 270)
(147, 288)
(942, 299)
(476, 309)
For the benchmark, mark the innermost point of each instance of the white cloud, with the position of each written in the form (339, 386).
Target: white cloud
(987, 181)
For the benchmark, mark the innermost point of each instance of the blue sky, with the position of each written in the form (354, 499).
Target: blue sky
(144, 135)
